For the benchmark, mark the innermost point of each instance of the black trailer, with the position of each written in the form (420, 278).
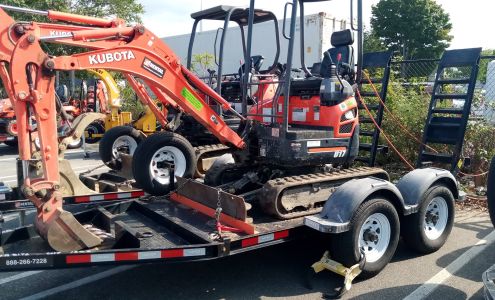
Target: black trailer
(159, 230)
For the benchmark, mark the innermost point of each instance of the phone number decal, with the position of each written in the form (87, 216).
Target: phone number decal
(25, 262)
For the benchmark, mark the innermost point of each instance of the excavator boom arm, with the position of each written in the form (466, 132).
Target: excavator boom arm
(154, 70)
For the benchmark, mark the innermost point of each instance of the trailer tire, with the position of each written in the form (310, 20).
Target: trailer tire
(426, 233)
(490, 193)
(162, 146)
(115, 138)
(375, 219)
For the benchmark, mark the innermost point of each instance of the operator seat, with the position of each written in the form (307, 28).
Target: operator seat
(231, 90)
(342, 46)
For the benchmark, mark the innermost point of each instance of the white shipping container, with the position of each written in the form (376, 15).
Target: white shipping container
(318, 29)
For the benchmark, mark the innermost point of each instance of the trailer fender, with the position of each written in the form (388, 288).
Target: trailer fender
(341, 205)
(415, 184)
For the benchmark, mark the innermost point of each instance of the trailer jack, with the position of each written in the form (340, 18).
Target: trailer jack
(349, 274)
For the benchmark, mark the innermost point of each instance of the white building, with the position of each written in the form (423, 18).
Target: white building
(318, 29)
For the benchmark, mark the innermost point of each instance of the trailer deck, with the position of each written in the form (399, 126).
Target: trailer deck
(146, 230)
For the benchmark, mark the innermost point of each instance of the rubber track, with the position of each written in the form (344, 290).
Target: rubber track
(273, 189)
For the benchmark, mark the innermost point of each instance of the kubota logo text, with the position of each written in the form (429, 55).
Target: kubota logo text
(60, 33)
(110, 57)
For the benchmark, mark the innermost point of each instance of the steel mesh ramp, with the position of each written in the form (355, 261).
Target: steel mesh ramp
(377, 67)
(449, 109)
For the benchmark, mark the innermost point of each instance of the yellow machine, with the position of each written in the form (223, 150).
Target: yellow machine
(114, 116)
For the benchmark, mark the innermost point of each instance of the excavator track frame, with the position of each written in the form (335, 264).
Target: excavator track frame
(319, 185)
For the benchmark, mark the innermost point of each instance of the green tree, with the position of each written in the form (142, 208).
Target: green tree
(129, 10)
(201, 62)
(413, 28)
(372, 43)
(484, 64)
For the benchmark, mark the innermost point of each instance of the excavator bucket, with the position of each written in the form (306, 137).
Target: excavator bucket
(70, 183)
(78, 126)
(66, 234)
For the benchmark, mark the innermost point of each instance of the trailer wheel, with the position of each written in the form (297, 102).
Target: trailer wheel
(427, 230)
(490, 193)
(374, 231)
(94, 128)
(120, 139)
(147, 163)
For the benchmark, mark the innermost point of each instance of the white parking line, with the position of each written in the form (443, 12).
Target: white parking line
(8, 159)
(69, 152)
(434, 282)
(18, 276)
(81, 169)
(78, 283)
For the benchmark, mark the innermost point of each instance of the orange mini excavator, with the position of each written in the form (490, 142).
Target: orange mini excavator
(278, 163)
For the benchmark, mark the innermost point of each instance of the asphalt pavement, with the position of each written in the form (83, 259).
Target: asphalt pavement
(277, 272)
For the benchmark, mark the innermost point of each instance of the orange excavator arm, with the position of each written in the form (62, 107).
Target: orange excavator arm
(10, 31)
(147, 57)
(138, 53)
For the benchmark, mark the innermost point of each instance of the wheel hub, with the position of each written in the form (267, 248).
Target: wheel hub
(374, 237)
(436, 216)
(161, 161)
(370, 236)
(432, 218)
(123, 144)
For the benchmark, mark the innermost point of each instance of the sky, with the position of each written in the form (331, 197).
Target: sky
(471, 20)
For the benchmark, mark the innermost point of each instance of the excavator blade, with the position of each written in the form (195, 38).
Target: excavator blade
(231, 205)
(207, 200)
(66, 234)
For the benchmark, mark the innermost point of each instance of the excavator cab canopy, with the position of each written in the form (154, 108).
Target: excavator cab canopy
(239, 15)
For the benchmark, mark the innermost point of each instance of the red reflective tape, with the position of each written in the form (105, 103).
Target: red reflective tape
(172, 253)
(82, 199)
(78, 259)
(249, 242)
(137, 193)
(126, 256)
(111, 196)
(281, 234)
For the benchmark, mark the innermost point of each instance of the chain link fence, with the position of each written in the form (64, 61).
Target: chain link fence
(420, 75)
(409, 95)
